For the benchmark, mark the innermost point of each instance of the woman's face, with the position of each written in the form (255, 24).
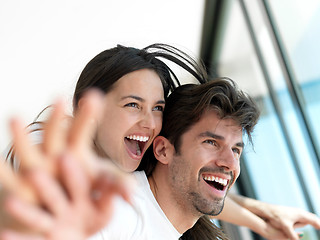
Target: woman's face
(132, 118)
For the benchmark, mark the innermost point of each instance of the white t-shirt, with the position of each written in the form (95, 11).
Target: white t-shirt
(145, 220)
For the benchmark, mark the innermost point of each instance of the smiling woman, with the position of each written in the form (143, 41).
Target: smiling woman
(132, 116)
(135, 83)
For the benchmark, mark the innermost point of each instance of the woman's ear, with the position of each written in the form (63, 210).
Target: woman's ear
(162, 149)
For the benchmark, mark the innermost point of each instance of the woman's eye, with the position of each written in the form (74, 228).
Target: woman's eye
(158, 108)
(134, 105)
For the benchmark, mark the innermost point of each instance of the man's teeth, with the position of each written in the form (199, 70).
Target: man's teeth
(222, 181)
(138, 138)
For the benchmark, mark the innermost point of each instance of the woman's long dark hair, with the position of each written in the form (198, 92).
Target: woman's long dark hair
(110, 65)
(204, 229)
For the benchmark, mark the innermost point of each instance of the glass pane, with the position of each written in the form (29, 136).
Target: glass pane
(302, 46)
(304, 54)
(271, 165)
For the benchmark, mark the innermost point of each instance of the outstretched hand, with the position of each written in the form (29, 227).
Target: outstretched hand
(278, 222)
(81, 212)
(63, 190)
(287, 219)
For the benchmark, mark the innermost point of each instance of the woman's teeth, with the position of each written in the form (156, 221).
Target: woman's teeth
(138, 138)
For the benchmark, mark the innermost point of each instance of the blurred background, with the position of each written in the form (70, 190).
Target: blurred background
(270, 48)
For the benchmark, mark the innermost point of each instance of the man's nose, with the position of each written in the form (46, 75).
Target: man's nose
(228, 160)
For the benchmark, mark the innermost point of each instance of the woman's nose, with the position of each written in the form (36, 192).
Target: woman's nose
(148, 120)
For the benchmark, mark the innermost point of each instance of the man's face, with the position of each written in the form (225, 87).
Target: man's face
(207, 164)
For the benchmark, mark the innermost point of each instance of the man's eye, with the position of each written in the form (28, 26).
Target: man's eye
(210, 141)
(158, 108)
(237, 151)
(134, 105)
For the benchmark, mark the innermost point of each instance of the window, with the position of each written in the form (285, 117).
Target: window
(271, 49)
(303, 51)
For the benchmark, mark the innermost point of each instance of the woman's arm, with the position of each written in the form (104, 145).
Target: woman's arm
(238, 215)
(270, 221)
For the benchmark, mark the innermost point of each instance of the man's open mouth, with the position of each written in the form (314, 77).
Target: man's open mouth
(216, 182)
(136, 144)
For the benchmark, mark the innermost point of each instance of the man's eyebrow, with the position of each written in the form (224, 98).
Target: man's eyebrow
(213, 135)
(240, 144)
(141, 99)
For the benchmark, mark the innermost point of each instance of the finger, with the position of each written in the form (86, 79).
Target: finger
(12, 183)
(13, 235)
(289, 231)
(311, 219)
(27, 153)
(112, 181)
(103, 195)
(299, 225)
(50, 192)
(32, 217)
(104, 192)
(307, 218)
(85, 123)
(76, 182)
(54, 134)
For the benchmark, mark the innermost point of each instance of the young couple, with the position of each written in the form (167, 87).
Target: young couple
(66, 185)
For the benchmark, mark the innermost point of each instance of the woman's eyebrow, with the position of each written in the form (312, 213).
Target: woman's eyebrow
(134, 97)
(141, 99)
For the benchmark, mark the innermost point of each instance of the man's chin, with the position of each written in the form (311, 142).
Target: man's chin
(215, 210)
